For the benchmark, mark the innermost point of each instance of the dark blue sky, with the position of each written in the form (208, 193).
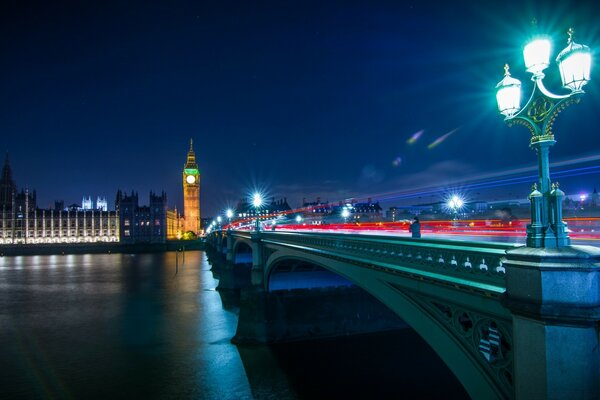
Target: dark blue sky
(303, 99)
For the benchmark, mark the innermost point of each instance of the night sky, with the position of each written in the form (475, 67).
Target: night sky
(300, 99)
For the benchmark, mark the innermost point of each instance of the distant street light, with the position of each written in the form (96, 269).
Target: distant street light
(583, 198)
(298, 219)
(257, 202)
(229, 215)
(455, 203)
(547, 228)
(345, 214)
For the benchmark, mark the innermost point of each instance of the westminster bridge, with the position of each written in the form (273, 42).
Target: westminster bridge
(510, 322)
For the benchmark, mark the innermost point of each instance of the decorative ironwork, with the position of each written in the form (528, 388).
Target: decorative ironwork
(487, 338)
(539, 109)
(560, 106)
(524, 123)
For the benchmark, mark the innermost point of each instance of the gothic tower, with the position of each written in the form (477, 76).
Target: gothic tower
(8, 187)
(191, 193)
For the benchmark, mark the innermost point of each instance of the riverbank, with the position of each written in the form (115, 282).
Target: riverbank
(98, 248)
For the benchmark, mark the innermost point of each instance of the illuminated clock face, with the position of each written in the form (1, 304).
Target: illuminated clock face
(190, 179)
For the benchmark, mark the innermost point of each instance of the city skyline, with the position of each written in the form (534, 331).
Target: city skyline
(333, 100)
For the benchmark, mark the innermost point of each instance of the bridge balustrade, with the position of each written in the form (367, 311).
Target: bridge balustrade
(474, 264)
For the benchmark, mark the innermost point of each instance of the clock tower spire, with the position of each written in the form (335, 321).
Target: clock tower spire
(191, 193)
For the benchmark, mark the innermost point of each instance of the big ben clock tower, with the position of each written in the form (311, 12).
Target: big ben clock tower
(191, 193)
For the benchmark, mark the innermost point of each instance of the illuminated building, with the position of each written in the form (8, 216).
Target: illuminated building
(317, 206)
(88, 204)
(368, 211)
(393, 214)
(101, 204)
(191, 194)
(58, 226)
(174, 225)
(21, 222)
(146, 224)
(244, 209)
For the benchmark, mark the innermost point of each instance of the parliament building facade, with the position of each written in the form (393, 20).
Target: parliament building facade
(22, 222)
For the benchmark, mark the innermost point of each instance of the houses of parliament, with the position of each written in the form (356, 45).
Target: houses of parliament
(22, 222)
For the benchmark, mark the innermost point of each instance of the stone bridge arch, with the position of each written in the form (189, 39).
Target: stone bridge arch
(301, 273)
(242, 251)
(398, 296)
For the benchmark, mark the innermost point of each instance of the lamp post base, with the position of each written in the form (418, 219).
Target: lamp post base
(539, 236)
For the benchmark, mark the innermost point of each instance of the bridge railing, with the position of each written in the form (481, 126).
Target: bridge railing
(473, 264)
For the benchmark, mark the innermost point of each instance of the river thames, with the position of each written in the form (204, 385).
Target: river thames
(136, 326)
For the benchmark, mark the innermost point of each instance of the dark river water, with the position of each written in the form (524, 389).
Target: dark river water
(121, 326)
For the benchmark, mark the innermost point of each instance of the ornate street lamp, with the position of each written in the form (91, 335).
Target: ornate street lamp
(455, 203)
(547, 228)
(257, 202)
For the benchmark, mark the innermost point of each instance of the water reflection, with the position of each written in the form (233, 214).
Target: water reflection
(152, 326)
(118, 326)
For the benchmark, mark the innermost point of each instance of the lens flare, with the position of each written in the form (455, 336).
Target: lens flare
(397, 161)
(415, 136)
(441, 139)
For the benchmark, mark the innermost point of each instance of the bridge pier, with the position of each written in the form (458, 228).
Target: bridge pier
(229, 255)
(219, 246)
(257, 273)
(233, 277)
(554, 296)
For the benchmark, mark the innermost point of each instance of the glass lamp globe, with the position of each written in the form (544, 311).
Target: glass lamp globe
(537, 55)
(508, 94)
(574, 63)
(257, 200)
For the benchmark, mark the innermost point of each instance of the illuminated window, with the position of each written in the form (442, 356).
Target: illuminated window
(126, 222)
(126, 232)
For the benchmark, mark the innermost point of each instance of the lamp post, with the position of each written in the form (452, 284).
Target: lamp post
(547, 228)
(583, 198)
(257, 202)
(455, 203)
(345, 214)
(229, 215)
